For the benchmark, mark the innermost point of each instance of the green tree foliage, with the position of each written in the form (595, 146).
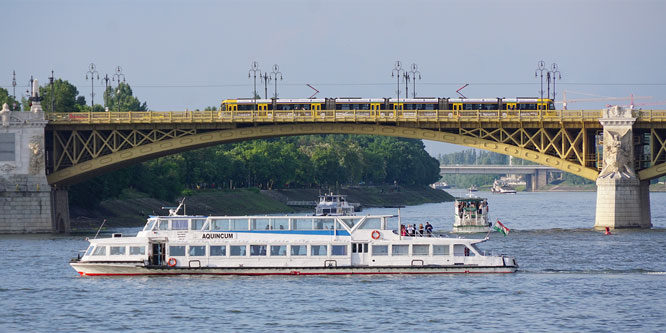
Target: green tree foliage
(67, 97)
(321, 161)
(120, 98)
(5, 97)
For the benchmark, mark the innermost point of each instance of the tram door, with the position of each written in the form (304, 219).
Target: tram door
(360, 254)
(158, 254)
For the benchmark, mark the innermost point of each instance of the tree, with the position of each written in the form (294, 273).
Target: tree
(120, 98)
(6, 98)
(66, 97)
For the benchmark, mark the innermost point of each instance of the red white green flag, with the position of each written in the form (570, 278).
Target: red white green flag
(501, 228)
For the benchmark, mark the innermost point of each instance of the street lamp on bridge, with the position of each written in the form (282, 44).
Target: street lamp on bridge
(266, 78)
(254, 68)
(14, 86)
(274, 74)
(92, 72)
(413, 71)
(552, 73)
(116, 77)
(541, 66)
(397, 72)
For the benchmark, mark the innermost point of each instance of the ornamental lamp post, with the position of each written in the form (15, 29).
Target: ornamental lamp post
(274, 73)
(116, 77)
(413, 71)
(553, 73)
(397, 72)
(541, 66)
(254, 68)
(93, 73)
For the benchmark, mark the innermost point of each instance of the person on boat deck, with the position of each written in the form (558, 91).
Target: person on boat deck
(410, 230)
(421, 229)
(403, 232)
(414, 230)
(428, 228)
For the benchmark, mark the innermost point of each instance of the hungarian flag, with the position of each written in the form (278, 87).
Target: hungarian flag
(501, 228)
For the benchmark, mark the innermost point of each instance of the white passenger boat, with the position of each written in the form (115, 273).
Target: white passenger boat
(501, 187)
(333, 205)
(283, 245)
(471, 215)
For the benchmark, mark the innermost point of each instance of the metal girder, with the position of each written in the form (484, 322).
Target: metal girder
(133, 146)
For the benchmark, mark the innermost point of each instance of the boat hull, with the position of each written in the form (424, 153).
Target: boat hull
(468, 229)
(124, 269)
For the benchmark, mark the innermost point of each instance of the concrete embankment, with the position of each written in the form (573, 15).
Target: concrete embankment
(134, 210)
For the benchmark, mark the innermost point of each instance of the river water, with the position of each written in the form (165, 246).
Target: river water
(571, 278)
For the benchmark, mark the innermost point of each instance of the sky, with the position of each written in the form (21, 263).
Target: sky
(179, 55)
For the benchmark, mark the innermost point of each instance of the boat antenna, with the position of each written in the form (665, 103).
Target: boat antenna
(100, 228)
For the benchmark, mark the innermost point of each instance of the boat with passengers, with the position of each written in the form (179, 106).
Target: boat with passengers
(283, 245)
(333, 205)
(471, 215)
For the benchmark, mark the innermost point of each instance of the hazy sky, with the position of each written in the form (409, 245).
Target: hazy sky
(192, 54)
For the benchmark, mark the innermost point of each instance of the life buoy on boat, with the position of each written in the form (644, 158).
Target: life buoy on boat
(172, 262)
(375, 234)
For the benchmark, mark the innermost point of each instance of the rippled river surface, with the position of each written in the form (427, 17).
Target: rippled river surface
(571, 278)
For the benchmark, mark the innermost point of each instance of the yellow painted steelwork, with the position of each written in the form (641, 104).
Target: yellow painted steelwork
(82, 145)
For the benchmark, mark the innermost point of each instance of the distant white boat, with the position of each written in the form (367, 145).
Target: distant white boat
(333, 205)
(471, 215)
(440, 185)
(500, 187)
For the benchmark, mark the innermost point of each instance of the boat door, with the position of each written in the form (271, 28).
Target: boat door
(158, 254)
(360, 255)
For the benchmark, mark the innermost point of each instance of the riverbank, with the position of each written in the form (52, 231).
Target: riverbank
(133, 208)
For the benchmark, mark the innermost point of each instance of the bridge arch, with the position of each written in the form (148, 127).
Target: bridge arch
(116, 160)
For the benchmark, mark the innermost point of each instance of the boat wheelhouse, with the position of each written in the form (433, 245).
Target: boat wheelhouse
(283, 245)
(333, 205)
(471, 215)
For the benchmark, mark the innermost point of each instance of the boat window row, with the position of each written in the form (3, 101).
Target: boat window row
(404, 250)
(258, 250)
(247, 224)
(115, 250)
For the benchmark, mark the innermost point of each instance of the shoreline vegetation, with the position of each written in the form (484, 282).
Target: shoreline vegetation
(132, 208)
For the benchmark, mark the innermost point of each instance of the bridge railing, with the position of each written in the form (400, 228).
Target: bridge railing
(385, 116)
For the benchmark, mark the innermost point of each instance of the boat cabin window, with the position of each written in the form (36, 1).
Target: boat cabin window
(89, 250)
(359, 247)
(177, 251)
(302, 224)
(219, 224)
(371, 223)
(280, 224)
(197, 251)
(218, 251)
(239, 224)
(440, 250)
(197, 224)
(163, 225)
(117, 251)
(420, 250)
(178, 224)
(299, 250)
(261, 224)
(257, 250)
(278, 250)
(460, 250)
(380, 250)
(238, 250)
(400, 250)
(339, 250)
(149, 225)
(100, 251)
(318, 250)
(137, 250)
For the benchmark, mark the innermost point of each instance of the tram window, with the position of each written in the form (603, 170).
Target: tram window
(399, 250)
(177, 251)
(163, 225)
(380, 250)
(117, 251)
(238, 250)
(422, 250)
(257, 250)
(278, 250)
(299, 250)
(90, 249)
(218, 251)
(197, 251)
(137, 250)
(318, 250)
(197, 224)
(178, 224)
(100, 251)
(339, 250)
(440, 250)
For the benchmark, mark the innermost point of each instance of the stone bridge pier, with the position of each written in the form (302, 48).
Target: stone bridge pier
(623, 200)
(27, 202)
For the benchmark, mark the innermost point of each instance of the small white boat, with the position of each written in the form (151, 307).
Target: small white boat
(440, 185)
(283, 245)
(473, 188)
(333, 205)
(471, 215)
(501, 187)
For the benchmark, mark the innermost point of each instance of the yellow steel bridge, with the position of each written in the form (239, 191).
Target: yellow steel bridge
(82, 145)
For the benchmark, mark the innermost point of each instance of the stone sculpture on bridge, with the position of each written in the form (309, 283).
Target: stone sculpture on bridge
(5, 115)
(37, 157)
(617, 157)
